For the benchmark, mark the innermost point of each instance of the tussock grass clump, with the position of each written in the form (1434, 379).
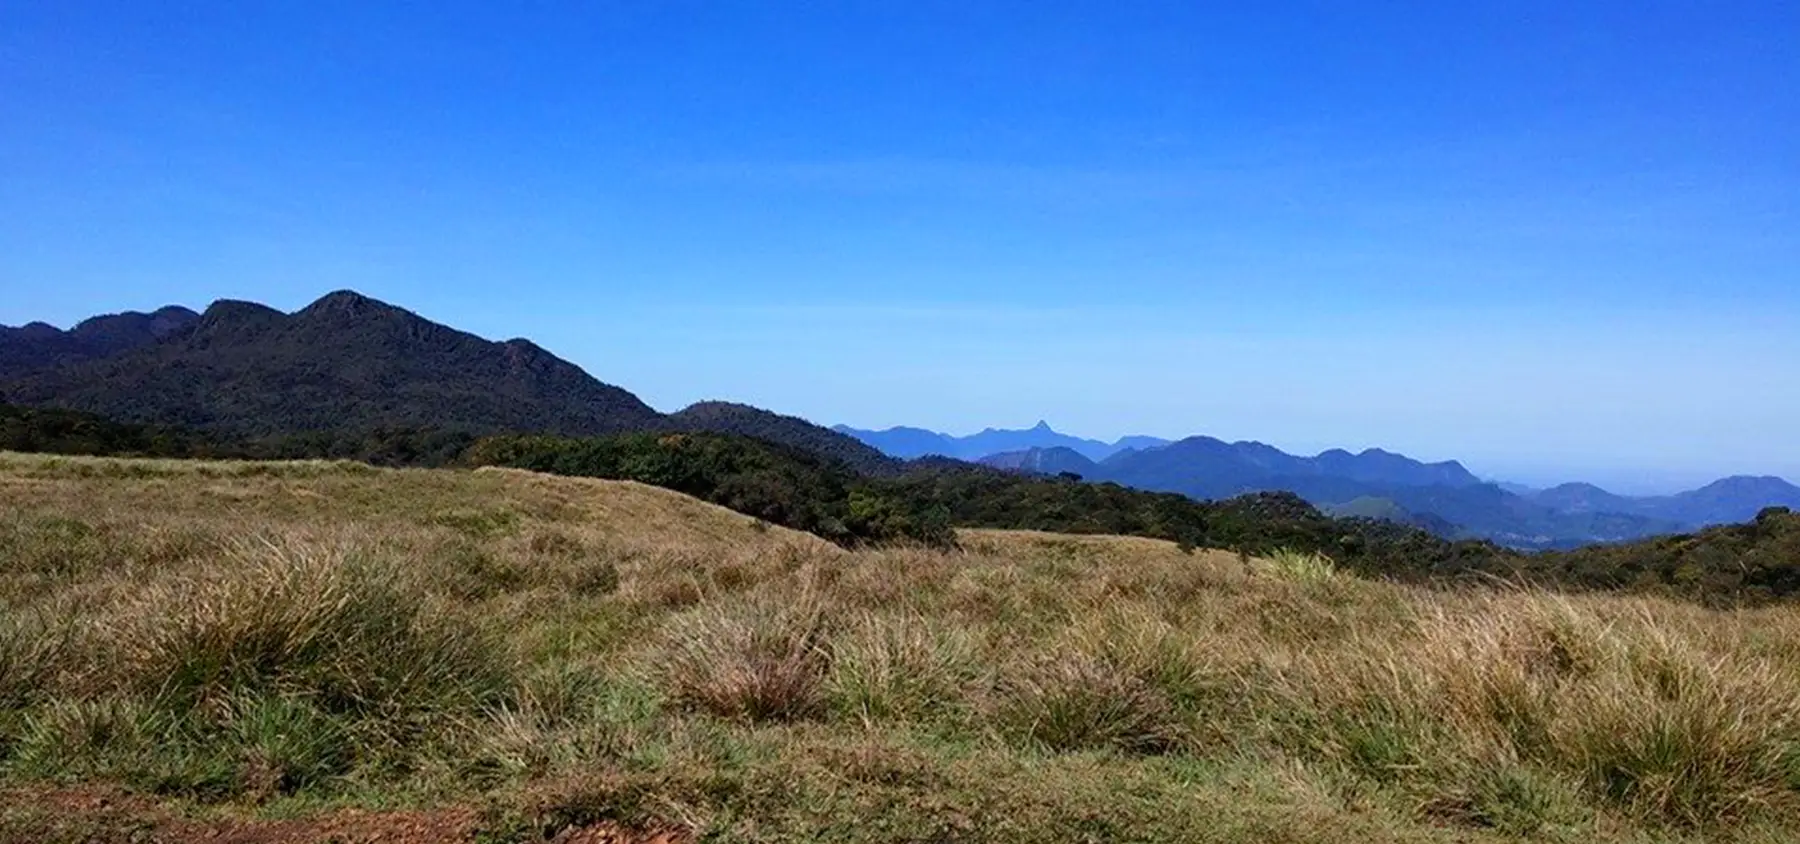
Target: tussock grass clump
(475, 574)
(1679, 736)
(105, 737)
(1299, 566)
(34, 652)
(287, 744)
(759, 661)
(887, 668)
(1566, 694)
(54, 547)
(346, 631)
(1078, 702)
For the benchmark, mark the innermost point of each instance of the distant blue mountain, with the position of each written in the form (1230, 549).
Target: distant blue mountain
(1444, 497)
(1211, 468)
(1043, 461)
(1726, 501)
(909, 443)
(905, 443)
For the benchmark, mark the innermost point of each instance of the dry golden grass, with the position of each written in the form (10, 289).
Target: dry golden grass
(578, 649)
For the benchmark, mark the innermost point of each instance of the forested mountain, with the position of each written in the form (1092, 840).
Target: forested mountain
(792, 431)
(343, 362)
(788, 486)
(1211, 468)
(1043, 461)
(347, 376)
(904, 443)
(38, 345)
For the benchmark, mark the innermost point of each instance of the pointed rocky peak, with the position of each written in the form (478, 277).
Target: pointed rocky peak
(1042, 427)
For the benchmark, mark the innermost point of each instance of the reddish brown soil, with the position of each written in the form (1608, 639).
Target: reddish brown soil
(95, 815)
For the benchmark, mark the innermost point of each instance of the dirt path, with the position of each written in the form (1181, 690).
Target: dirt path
(107, 816)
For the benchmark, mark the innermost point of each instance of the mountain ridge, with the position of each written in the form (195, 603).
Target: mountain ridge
(37, 345)
(1444, 497)
(347, 361)
(910, 443)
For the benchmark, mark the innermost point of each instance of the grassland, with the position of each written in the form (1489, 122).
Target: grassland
(297, 640)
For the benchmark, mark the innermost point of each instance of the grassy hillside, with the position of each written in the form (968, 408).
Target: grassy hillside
(511, 654)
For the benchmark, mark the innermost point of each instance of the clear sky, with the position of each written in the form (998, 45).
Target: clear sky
(1551, 239)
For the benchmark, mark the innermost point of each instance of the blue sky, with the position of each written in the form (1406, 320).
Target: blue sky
(1551, 239)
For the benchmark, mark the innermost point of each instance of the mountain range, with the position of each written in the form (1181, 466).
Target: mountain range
(910, 443)
(1444, 497)
(38, 345)
(348, 362)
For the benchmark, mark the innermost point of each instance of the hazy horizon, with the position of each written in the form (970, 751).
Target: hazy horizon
(1553, 243)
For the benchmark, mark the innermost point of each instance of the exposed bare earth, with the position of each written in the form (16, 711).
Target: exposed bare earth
(104, 815)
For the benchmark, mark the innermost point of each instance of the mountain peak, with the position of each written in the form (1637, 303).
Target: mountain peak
(237, 307)
(348, 303)
(1042, 426)
(36, 330)
(1748, 483)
